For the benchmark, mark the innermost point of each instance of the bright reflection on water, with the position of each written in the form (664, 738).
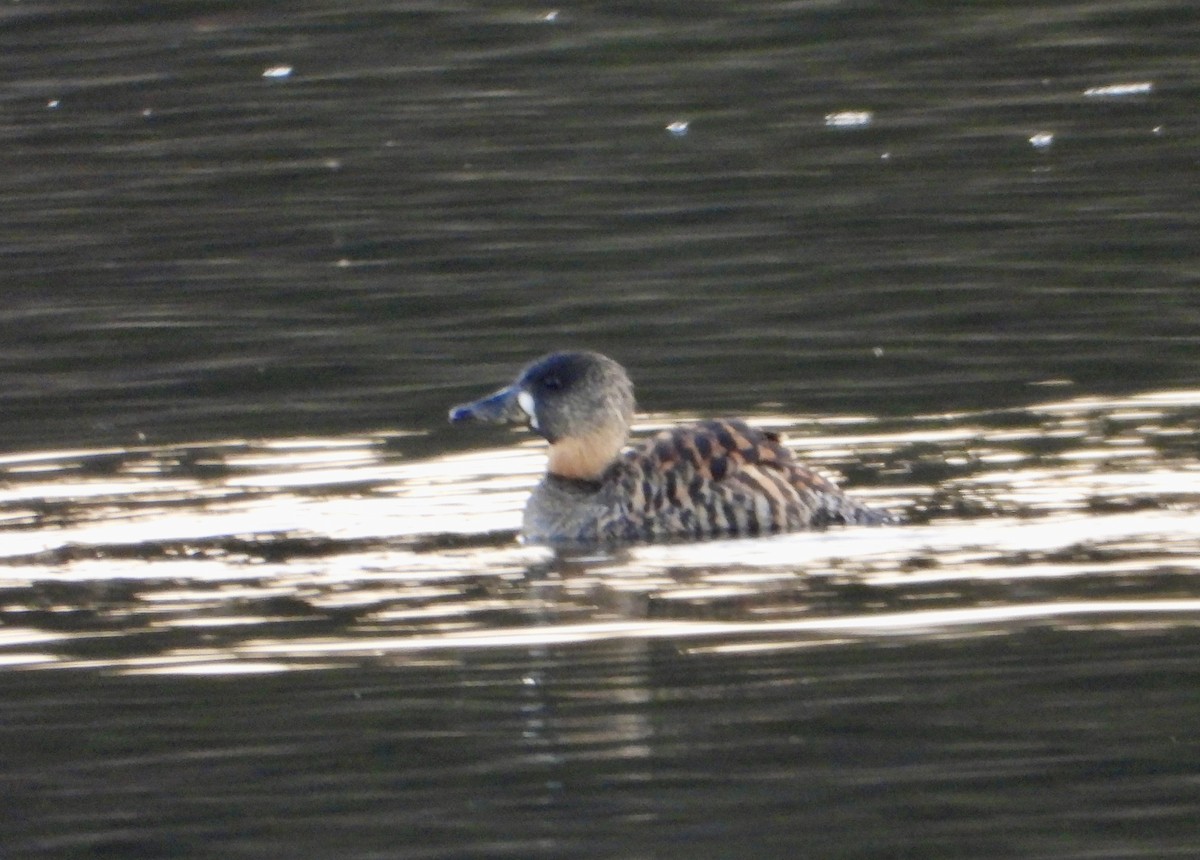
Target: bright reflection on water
(239, 557)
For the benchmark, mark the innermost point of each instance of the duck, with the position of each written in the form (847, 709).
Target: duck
(718, 478)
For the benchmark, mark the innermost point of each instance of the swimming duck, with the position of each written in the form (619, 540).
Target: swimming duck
(718, 478)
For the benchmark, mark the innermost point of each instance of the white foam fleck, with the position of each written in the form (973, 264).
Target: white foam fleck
(1135, 88)
(849, 119)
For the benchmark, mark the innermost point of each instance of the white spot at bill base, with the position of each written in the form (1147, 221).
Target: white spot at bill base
(525, 401)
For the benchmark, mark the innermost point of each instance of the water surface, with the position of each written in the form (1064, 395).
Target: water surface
(258, 600)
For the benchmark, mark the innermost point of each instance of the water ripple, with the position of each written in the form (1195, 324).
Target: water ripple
(293, 553)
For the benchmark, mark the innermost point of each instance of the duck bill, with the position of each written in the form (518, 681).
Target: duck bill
(503, 407)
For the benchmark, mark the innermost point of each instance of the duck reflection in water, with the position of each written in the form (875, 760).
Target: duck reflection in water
(709, 479)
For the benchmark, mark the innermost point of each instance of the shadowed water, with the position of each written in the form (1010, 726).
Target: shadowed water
(258, 600)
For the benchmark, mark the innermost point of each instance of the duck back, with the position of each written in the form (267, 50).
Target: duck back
(709, 479)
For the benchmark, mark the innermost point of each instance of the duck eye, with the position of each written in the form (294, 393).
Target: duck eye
(551, 383)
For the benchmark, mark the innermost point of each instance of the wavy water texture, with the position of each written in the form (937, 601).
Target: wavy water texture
(236, 556)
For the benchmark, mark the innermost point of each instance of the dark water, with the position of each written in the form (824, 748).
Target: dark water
(1025, 748)
(257, 600)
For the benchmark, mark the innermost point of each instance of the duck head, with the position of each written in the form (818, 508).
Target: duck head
(580, 402)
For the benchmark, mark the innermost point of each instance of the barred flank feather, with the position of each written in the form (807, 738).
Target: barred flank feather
(720, 479)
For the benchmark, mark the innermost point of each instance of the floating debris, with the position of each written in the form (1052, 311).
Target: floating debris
(53, 103)
(678, 128)
(849, 119)
(278, 72)
(1116, 91)
(1042, 140)
(552, 15)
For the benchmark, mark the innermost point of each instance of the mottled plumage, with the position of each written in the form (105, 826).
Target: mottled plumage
(709, 479)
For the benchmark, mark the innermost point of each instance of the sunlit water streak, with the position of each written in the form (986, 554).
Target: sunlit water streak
(236, 556)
